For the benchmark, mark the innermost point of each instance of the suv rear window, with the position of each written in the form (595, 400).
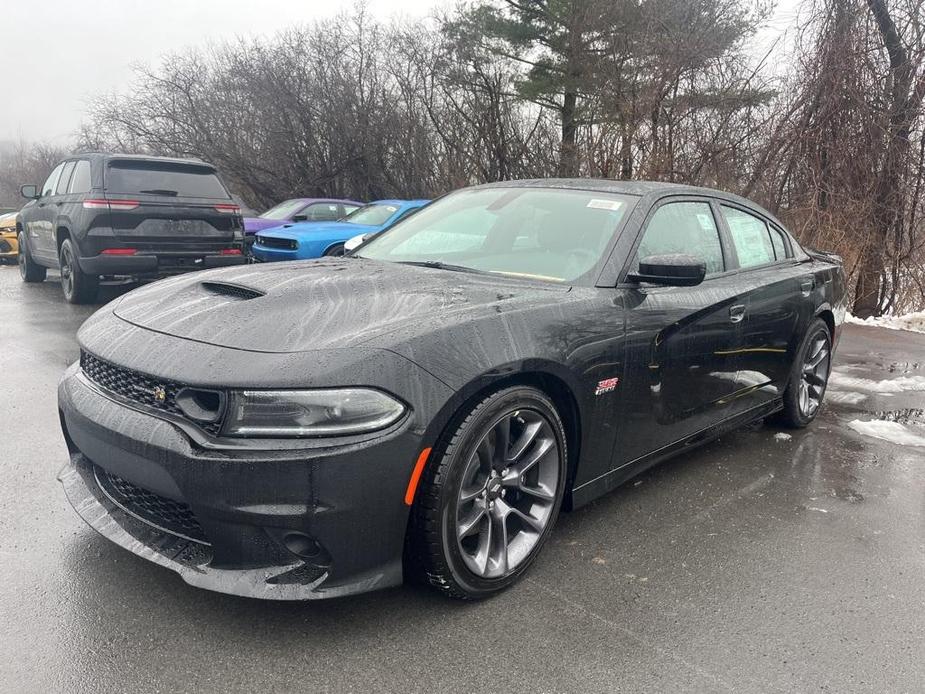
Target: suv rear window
(159, 178)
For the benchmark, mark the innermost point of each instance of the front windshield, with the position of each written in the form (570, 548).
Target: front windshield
(548, 234)
(285, 210)
(374, 215)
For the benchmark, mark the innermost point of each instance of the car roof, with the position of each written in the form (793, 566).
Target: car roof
(636, 188)
(109, 156)
(399, 202)
(310, 200)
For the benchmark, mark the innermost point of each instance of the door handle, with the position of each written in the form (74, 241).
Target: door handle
(806, 286)
(737, 313)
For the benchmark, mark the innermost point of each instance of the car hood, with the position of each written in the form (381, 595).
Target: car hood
(297, 230)
(255, 224)
(322, 304)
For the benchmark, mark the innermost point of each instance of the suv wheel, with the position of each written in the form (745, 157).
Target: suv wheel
(78, 287)
(490, 496)
(28, 270)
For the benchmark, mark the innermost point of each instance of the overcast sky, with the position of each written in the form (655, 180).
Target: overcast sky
(59, 52)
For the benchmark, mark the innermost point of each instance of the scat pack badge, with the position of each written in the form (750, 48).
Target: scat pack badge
(606, 386)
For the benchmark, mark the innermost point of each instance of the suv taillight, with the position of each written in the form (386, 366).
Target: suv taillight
(227, 208)
(103, 204)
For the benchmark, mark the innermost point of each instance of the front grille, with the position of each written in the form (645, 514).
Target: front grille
(139, 388)
(271, 242)
(172, 516)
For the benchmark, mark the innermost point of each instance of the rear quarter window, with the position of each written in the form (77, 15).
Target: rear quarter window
(157, 178)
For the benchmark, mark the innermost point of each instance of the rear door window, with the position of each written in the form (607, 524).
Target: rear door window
(80, 179)
(687, 228)
(779, 243)
(52, 181)
(750, 236)
(66, 172)
(165, 179)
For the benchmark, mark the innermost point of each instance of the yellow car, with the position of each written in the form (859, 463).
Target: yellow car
(9, 248)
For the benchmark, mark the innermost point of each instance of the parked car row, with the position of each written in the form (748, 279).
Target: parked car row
(313, 239)
(104, 216)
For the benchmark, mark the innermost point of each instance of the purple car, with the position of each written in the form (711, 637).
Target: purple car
(300, 210)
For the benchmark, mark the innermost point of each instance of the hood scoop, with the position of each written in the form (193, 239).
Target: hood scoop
(234, 291)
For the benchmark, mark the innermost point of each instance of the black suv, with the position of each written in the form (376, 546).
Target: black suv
(115, 215)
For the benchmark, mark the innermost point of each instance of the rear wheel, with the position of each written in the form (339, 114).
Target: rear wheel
(28, 269)
(808, 378)
(335, 251)
(78, 287)
(487, 504)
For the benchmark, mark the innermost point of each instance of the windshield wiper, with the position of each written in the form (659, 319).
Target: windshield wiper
(440, 265)
(161, 191)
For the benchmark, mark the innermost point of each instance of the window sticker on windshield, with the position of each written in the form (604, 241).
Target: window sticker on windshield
(706, 222)
(612, 205)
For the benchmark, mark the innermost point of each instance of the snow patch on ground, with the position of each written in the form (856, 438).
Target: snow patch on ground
(914, 322)
(840, 381)
(888, 431)
(845, 398)
(781, 436)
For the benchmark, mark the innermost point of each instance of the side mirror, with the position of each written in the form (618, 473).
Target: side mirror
(300, 218)
(676, 270)
(30, 191)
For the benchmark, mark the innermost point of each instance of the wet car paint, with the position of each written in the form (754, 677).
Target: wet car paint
(434, 339)
(750, 563)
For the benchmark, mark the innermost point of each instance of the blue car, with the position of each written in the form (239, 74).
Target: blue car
(305, 240)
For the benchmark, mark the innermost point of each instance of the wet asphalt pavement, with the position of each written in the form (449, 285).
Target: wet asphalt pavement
(753, 564)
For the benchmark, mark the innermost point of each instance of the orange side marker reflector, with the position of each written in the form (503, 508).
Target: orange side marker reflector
(416, 476)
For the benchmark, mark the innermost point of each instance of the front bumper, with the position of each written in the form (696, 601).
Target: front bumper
(9, 247)
(346, 498)
(266, 254)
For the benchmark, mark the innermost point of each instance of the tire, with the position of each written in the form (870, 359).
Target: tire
(461, 506)
(335, 251)
(78, 287)
(809, 377)
(28, 269)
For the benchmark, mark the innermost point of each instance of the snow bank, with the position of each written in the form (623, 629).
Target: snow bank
(889, 431)
(840, 381)
(914, 322)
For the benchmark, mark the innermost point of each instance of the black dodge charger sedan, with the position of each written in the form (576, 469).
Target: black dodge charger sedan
(427, 406)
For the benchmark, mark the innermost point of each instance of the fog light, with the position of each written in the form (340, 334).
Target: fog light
(302, 545)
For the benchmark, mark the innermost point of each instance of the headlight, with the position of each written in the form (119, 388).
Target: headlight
(328, 412)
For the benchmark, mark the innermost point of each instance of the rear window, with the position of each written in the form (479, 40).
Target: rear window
(159, 178)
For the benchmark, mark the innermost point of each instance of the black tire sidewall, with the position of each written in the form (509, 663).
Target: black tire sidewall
(792, 414)
(335, 251)
(29, 271)
(508, 401)
(83, 287)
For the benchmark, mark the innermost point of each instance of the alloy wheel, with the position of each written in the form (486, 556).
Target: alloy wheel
(67, 273)
(21, 256)
(815, 374)
(508, 493)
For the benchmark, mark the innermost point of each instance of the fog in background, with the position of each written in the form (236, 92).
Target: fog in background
(58, 53)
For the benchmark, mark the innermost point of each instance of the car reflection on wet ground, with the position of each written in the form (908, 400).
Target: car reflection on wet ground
(766, 561)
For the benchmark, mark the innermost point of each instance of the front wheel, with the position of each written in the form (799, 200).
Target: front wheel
(29, 271)
(335, 251)
(78, 287)
(490, 497)
(809, 377)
